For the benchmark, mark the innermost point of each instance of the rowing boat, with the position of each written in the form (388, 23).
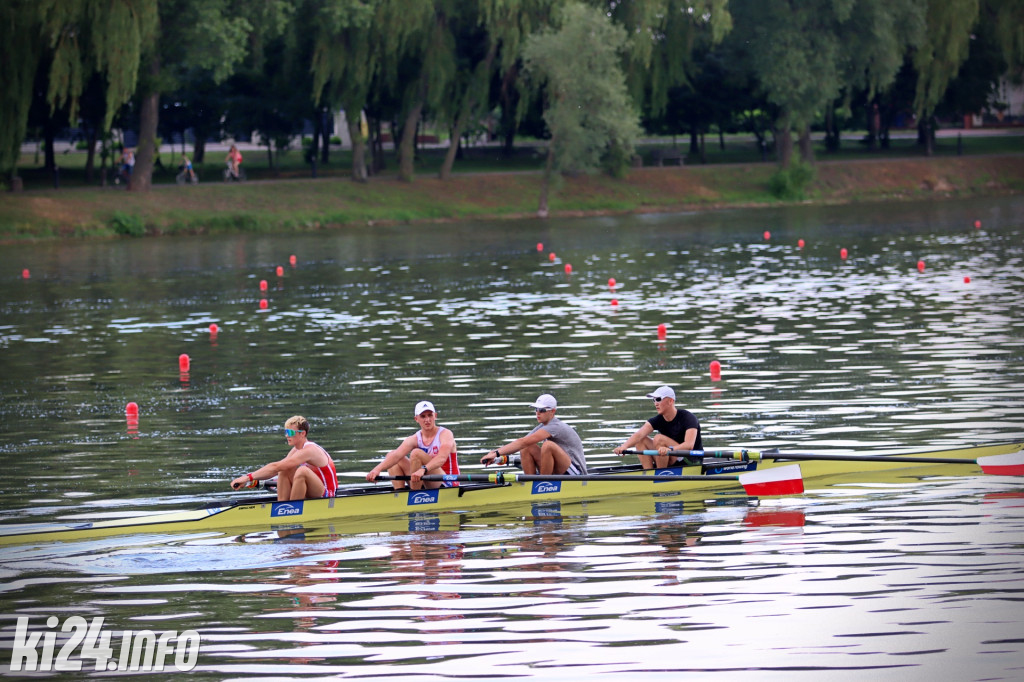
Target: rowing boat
(494, 492)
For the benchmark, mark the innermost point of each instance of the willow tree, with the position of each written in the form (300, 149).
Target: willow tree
(380, 48)
(794, 50)
(577, 63)
(344, 64)
(875, 43)
(209, 35)
(79, 38)
(938, 58)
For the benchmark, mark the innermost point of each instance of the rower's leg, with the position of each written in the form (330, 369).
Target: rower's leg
(646, 461)
(284, 485)
(401, 468)
(663, 441)
(529, 459)
(553, 459)
(306, 485)
(417, 458)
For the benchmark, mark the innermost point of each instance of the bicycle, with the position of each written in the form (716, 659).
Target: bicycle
(188, 175)
(234, 177)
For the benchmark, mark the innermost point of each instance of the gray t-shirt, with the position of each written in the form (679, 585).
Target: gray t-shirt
(565, 437)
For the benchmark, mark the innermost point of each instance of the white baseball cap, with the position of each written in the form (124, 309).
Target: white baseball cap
(545, 401)
(422, 406)
(663, 392)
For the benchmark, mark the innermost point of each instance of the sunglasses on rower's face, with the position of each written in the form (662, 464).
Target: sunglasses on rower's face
(657, 400)
(290, 433)
(541, 410)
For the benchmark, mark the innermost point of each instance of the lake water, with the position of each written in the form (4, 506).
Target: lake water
(908, 580)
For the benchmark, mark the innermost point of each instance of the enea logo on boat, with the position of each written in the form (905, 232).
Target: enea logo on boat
(418, 497)
(542, 487)
(667, 472)
(286, 508)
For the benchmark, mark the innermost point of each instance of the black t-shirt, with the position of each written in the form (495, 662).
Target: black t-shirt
(677, 428)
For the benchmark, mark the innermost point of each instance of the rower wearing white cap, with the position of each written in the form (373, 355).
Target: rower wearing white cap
(561, 451)
(677, 430)
(431, 450)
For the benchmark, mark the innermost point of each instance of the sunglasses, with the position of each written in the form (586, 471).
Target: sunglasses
(657, 400)
(541, 410)
(290, 433)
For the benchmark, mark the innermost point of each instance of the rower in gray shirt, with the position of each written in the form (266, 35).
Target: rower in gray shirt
(552, 447)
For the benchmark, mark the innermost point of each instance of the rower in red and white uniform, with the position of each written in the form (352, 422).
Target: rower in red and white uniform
(306, 473)
(431, 450)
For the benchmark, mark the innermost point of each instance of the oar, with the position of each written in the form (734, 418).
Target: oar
(1011, 464)
(784, 480)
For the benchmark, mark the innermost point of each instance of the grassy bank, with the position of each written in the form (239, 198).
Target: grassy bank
(305, 203)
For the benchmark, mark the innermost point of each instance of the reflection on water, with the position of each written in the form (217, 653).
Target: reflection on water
(818, 353)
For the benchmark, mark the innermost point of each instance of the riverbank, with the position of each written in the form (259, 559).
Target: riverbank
(310, 204)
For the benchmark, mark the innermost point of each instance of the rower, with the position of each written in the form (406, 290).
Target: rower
(677, 430)
(431, 450)
(307, 472)
(561, 451)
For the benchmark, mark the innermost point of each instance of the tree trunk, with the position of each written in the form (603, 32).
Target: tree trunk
(721, 139)
(406, 149)
(806, 145)
(199, 149)
(453, 147)
(326, 128)
(142, 175)
(355, 133)
(784, 142)
(90, 158)
(545, 183)
(703, 156)
(694, 142)
(49, 135)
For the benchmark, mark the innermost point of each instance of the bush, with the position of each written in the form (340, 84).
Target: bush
(790, 183)
(335, 140)
(127, 224)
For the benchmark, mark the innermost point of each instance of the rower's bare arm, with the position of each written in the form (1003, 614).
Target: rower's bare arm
(392, 458)
(637, 436)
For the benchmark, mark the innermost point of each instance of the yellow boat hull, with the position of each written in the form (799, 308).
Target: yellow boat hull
(417, 510)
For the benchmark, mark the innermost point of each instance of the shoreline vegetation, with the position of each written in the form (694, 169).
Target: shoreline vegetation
(289, 199)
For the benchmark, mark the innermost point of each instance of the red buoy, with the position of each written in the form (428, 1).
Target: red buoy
(767, 235)
(25, 274)
(611, 282)
(799, 243)
(920, 266)
(967, 280)
(662, 331)
(716, 370)
(280, 271)
(131, 410)
(263, 304)
(540, 246)
(292, 260)
(568, 269)
(551, 256)
(263, 285)
(977, 224)
(843, 253)
(183, 362)
(615, 301)
(214, 328)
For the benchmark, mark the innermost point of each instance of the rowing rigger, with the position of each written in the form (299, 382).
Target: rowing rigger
(1005, 464)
